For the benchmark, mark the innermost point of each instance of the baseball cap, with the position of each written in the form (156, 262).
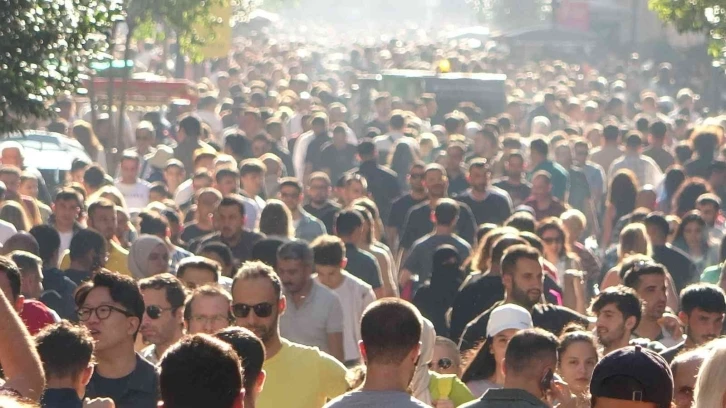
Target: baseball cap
(633, 373)
(509, 316)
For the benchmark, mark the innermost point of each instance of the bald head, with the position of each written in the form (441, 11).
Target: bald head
(646, 198)
(21, 241)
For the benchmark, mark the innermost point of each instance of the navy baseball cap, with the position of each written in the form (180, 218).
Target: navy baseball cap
(633, 373)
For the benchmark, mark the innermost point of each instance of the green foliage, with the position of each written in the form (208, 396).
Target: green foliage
(704, 16)
(43, 47)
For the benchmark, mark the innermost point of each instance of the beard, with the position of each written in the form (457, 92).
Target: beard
(608, 337)
(528, 298)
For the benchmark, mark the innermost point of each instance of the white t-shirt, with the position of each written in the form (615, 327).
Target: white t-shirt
(65, 240)
(7, 230)
(355, 295)
(136, 195)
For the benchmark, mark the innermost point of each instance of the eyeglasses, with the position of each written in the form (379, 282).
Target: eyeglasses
(154, 312)
(416, 176)
(261, 309)
(102, 312)
(550, 241)
(201, 319)
(443, 364)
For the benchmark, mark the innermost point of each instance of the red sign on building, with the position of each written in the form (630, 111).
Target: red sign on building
(574, 15)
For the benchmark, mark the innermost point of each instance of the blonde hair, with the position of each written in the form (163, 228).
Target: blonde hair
(711, 378)
(14, 213)
(634, 240)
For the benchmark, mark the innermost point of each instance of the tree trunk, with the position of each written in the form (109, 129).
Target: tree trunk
(179, 66)
(108, 146)
(122, 106)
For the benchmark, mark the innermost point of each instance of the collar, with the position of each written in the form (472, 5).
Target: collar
(512, 394)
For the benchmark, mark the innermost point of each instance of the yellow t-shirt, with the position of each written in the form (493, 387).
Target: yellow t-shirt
(301, 377)
(117, 260)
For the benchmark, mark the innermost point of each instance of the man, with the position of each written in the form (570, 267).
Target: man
(717, 179)
(593, 172)
(58, 288)
(338, 156)
(145, 141)
(542, 201)
(314, 315)
(679, 265)
(418, 220)
(702, 312)
(382, 182)
(319, 130)
(207, 200)
(251, 353)
(66, 210)
(391, 334)
(252, 176)
(455, 170)
(190, 129)
(307, 227)
(87, 254)
(361, 264)
(174, 174)
(102, 217)
(402, 205)
(648, 279)
(385, 144)
(632, 377)
(605, 155)
(134, 189)
(530, 358)
(662, 157)
(153, 223)
(580, 192)
(201, 371)
(196, 271)
(489, 204)
(111, 307)
(382, 104)
(685, 369)
(514, 183)
(523, 281)
(229, 221)
(258, 305)
(618, 313)
(207, 310)
(420, 259)
(320, 205)
(162, 324)
(354, 294)
(710, 207)
(35, 314)
(207, 112)
(539, 161)
(321, 136)
(645, 169)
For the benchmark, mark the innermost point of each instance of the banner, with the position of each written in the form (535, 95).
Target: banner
(574, 15)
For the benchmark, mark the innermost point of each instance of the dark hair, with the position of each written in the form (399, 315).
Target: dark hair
(295, 250)
(161, 189)
(220, 249)
(685, 197)
(623, 191)
(275, 219)
(258, 270)
(174, 288)
(633, 272)
(481, 364)
(13, 274)
(625, 300)
(48, 241)
(87, 240)
(657, 219)
(191, 126)
(68, 194)
(514, 254)
(611, 132)
(291, 182)
(574, 334)
(26, 261)
(366, 149)
(65, 350)
(249, 349)
(390, 329)
(446, 211)
(251, 166)
(540, 146)
(328, 250)
(634, 139)
(101, 203)
(123, 290)
(347, 221)
(153, 224)
(707, 297)
(198, 262)
(198, 371)
(206, 290)
(527, 346)
(233, 201)
(683, 152)
(522, 221)
(224, 173)
(502, 244)
(693, 216)
(674, 177)
(658, 129)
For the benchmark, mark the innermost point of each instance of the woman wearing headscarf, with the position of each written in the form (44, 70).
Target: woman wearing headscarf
(430, 387)
(148, 256)
(435, 297)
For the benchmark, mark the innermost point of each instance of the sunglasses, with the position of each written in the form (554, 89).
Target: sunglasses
(552, 240)
(261, 309)
(154, 312)
(442, 364)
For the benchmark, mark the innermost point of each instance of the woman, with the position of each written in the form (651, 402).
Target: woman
(556, 247)
(447, 359)
(369, 242)
(401, 159)
(711, 381)
(14, 213)
(29, 187)
(674, 177)
(148, 256)
(633, 240)
(83, 132)
(622, 192)
(435, 297)
(426, 385)
(692, 238)
(576, 359)
(428, 145)
(685, 198)
(276, 220)
(484, 368)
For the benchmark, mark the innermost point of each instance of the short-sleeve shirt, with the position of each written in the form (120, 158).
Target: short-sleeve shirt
(241, 251)
(420, 259)
(310, 323)
(418, 223)
(560, 177)
(495, 208)
(363, 265)
(337, 161)
(326, 214)
(399, 209)
(378, 399)
(301, 376)
(518, 193)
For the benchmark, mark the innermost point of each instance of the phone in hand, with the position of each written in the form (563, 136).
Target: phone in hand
(546, 382)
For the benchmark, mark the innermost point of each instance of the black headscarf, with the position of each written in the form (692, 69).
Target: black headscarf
(436, 296)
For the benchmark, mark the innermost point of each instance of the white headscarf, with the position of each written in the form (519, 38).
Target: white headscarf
(421, 377)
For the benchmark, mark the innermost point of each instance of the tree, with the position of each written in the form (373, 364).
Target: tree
(700, 16)
(44, 48)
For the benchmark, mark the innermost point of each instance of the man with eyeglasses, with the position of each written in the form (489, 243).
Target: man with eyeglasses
(296, 375)
(112, 308)
(163, 323)
(207, 310)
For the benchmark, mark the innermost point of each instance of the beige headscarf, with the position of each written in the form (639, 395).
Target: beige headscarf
(139, 253)
(421, 377)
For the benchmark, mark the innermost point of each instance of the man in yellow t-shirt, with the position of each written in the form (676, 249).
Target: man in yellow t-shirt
(297, 375)
(102, 218)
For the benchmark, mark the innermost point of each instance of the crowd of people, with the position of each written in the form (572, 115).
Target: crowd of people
(270, 246)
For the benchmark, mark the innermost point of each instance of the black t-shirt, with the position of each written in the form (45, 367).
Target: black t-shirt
(476, 297)
(326, 214)
(363, 266)
(548, 317)
(192, 232)
(418, 223)
(457, 184)
(399, 209)
(382, 184)
(315, 148)
(517, 192)
(679, 265)
(338, 161)
(495, 208)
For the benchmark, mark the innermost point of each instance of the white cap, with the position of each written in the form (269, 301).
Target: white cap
(509, 316)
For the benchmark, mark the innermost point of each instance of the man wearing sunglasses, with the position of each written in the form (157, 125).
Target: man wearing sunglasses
(163, 322)
(112, 308)
(296, 375)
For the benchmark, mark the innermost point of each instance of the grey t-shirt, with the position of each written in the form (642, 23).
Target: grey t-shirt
(319, 315)
(375, 399)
